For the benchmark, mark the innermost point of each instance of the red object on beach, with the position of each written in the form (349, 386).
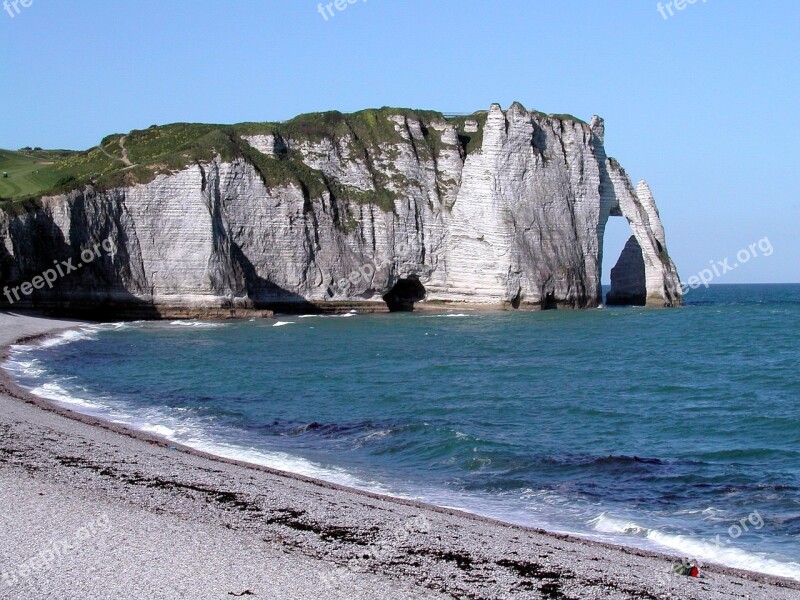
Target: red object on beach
(694, 572)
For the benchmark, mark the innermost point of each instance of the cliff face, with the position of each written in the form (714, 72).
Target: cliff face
(505, 208)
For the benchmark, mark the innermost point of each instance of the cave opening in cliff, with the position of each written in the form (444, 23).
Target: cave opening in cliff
(549, 302)
(516, 301)
(404, 294)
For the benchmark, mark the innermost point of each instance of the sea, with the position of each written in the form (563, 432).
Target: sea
(674, 430)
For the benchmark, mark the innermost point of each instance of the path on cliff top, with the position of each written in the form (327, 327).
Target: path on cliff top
(126, 161)
(125, 158)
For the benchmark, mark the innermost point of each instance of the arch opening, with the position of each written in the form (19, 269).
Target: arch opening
(625, 276)
(615, 235)
(628, 277)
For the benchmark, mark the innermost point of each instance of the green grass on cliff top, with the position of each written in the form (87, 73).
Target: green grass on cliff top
(28, 171)
(33, 173)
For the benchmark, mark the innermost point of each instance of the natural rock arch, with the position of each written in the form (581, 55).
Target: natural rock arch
(644, 274)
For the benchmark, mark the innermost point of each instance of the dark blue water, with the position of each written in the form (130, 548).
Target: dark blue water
(667, 429)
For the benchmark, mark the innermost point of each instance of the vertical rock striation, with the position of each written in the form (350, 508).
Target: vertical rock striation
(502, 208)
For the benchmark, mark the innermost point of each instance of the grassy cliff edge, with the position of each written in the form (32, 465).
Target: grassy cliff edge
(138, 157)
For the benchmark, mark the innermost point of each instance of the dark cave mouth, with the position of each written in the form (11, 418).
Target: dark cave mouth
(549, 302)
(404, 294)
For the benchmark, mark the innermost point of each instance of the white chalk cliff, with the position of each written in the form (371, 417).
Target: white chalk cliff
(503, 208)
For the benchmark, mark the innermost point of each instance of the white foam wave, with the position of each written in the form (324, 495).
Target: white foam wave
(720, 551)
(200, 434)
(197, 324)
(448, 315)
(282, 462)
(161, 430)
(88, 332)
(26, 368)
(53, 391)
(352, 313)
(282, 323)
(376, 435)
(67, 337)
(606, 524)
(728, 555)
(117, 326)
(21, 363)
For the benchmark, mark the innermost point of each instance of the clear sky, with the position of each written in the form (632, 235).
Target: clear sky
(703, 104)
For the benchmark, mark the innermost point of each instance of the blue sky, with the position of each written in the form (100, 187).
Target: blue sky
(702, 104)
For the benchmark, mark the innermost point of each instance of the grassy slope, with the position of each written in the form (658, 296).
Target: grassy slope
(170, 148)
(28, 172)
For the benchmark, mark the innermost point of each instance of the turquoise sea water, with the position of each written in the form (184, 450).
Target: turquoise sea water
(676, 430)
